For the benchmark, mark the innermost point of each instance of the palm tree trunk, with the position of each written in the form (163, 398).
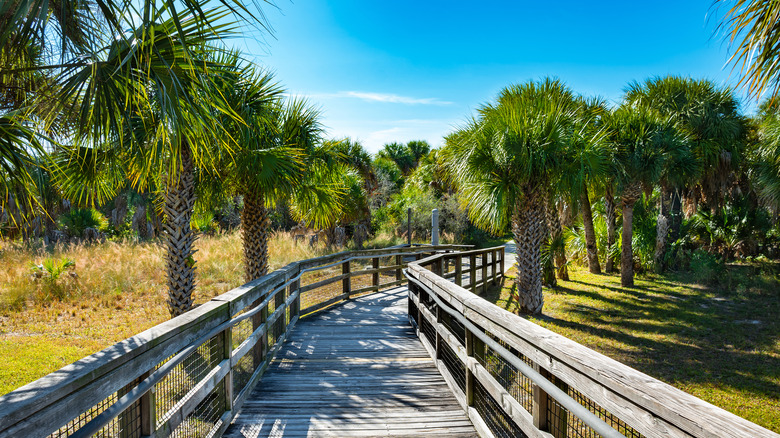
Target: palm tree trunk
(662, 231)
(675, 211)
(609, 210)
(254, 227)
(590, 232)
(627, 253)
(630, 195)
(556, 236)
(178, 237)
(528, 229)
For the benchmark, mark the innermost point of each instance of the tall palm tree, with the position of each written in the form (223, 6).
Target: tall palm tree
(144, 104)
(708, 116)
(641, 142)
(279, 157)
(504, 162)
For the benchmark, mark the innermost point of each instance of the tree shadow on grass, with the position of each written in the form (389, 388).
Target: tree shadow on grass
(679, 332)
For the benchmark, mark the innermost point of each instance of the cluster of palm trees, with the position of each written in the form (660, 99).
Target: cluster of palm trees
(539, 148)
(102, 94)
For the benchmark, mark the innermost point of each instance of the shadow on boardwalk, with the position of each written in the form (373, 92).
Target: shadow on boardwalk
(356, 369)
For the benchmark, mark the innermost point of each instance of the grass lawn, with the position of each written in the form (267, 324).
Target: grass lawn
(720, 344)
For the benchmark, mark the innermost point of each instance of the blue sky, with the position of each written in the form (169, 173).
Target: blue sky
(384, 71)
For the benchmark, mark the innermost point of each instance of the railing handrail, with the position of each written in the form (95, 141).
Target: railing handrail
(76, 388)
(651, 407)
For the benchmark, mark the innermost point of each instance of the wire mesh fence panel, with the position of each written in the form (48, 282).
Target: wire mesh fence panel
(515, 382)
(563, 423)
(455, 327)
(491, 412)
(241, 331)
(322, 293)
(206, 417)
(413, 312)
(171, 390)
(456, 368)
(79, 422)
(428, 330)
(242, 373)
(361, 281)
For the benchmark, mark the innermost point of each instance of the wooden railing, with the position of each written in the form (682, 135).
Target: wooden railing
(189, 376)
(515, 378)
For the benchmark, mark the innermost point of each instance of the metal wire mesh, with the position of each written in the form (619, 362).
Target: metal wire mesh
(456, 368)
(493, 414)
(563, 423)
(126, 425)
(242, 373)
(241, 331)
(413, 312)
(206, 417)
(515, 382)
(170, 391)
(428, 330)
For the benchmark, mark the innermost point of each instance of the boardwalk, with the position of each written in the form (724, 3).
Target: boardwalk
(356, 369)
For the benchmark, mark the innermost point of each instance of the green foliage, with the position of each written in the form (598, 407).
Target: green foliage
(405, 156)
(203, 221)
(393, 218)
(79, 219)
(49, 271)
(513, 150)
(705, 268)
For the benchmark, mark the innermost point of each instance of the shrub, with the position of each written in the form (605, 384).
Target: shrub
(49, 271)
(79, 219)
(705, 267)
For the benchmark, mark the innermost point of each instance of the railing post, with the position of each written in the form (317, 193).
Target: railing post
(484, 272)
(279, 325)
(503, 257)
(458, 270)
(375, 275)
(295, 307)
(260, 348)
(148, 410)
(399, 260)
(227, 353)
(473, 272)
(493, 266)
(436, 266)
(346, 283)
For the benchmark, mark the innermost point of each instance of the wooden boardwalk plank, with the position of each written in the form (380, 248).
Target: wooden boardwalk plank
(355, 370)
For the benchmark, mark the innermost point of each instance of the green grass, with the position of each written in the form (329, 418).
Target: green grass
(720, 344)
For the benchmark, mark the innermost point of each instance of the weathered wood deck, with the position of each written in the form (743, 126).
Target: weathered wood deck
(356, 369)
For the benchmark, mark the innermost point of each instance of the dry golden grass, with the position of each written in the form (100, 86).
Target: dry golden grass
(120, 290)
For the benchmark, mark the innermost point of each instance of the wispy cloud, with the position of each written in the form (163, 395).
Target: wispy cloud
(382, 97)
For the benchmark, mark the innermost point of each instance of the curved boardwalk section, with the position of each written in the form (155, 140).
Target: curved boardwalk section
(356, 369)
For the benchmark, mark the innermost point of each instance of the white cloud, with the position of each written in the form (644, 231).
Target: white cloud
(381, 97)
(373, 135)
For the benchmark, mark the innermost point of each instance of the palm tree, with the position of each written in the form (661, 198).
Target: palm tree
(766, 157)
(641, 141)
(145, 106)
(279, 157)
(751, 27)
(504, 162)
(708, 117)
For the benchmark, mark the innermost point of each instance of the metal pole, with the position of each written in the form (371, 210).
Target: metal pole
(435, 227)
(409, 225)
